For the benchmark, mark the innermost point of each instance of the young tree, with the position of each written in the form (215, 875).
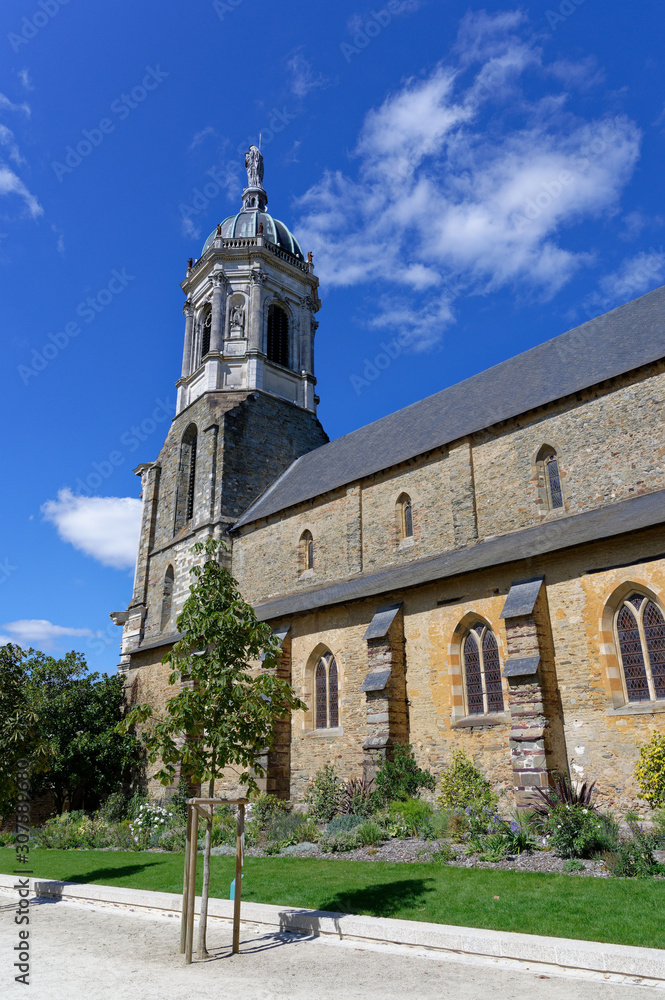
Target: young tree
(224, 713)
(19, 732)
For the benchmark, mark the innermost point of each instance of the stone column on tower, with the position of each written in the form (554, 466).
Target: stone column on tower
(188, 311)
(257, 279)
(218, 310)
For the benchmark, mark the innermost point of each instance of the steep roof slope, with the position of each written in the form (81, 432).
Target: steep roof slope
(617, 342)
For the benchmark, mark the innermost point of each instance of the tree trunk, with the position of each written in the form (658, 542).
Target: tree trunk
(202, 951)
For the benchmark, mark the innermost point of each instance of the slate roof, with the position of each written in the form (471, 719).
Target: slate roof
(617, 342)
(605, 522)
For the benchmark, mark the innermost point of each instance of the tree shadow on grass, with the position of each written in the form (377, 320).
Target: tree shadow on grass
(115, 871)
(383, 899)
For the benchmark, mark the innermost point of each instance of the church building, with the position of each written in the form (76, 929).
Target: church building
(483, 570)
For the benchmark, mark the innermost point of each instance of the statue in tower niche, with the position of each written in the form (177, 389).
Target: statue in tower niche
(254, 166)
(237, 321)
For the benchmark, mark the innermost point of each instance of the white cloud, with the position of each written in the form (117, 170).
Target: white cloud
(9, 142)
(28, 630)
(10, 183)
(303, 77)
(106, 528)
(459, 184)
(199, 137)
(9, 106)
(24, 77)
(635, 276)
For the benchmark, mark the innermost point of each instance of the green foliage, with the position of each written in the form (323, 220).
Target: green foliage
(346, 821)
(224, 826)
(463, 784)
(20, 738)
(564, 792)
(287, 829)
(650, 770)
(76, 830)
(369, 833)
(338, 843)
(234, 705)
(266, 808)
(359, 797)
(401, 778)
(173, 838)
(80, 757)
(445, 853)
(493, 847)
(114, 808)
(414, 815)
(573, 865)
(576, 831)
(633, 857)
(178, 801)
(325, 794)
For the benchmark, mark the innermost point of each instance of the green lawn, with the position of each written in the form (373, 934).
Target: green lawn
(623, 911)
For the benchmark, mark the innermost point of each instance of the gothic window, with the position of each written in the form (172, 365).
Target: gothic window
(404, 517)
(278, 336)
(326, 693)
(482, 671)
(205, 333)
(186, 492)
(640, 628)
(306, 559)
(550, 475)
(167, 599)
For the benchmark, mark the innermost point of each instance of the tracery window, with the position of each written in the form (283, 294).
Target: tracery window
(278, 335)
(186, 492)
(167, 598)
(640, 628)
(482, 671)
(404, 517)
(550, 474)
(327, 693)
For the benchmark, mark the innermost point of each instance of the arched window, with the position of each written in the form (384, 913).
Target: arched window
(278, 335)
(205, 333)
(186, 493)
(550, 475)
(482, 671)
(306, 559)
(404, 517)
(326, 693)
(640, 629)
(167, 598)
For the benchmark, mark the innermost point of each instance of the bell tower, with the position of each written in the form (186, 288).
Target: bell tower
(251, 302)
(246, 409)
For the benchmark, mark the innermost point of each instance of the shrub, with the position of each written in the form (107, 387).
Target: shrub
(266, 807)
(178, 801)
(463, 784)
(401, 778)
(173, 838)
(340, 824)
(224, 826)
(347, 840)
(359, 797)
(493, 847)
(149, 825)
(563, 791)
(287, 829)
(573, 865)
(414, 815)
(445, 854)
(324, 795)
(114, 808)
(650, 771)
(633, 858)
(369, 834)
(578, 832)
(134, 804)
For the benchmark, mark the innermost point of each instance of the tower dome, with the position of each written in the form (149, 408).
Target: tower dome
(253, 219)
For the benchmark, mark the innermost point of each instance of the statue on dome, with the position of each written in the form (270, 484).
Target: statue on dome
(254, 166)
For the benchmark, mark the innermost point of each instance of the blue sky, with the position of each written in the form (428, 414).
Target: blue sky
(472, 181)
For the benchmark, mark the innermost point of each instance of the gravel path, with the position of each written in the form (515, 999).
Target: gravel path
(87, 952)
